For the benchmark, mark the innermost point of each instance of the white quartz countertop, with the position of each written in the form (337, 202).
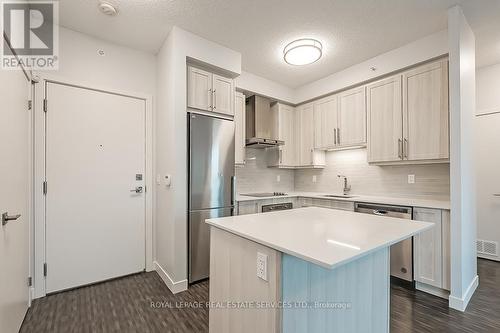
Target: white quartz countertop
(400, 201)
(326, 237)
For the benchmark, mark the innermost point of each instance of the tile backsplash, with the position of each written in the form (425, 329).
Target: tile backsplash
(431, 180)
(255, 176)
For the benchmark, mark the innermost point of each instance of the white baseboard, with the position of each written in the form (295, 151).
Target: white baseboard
(175, 287)
(460, 304)
(485, 256)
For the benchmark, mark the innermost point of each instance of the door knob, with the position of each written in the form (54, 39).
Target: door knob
(137, 189)
(6, 218)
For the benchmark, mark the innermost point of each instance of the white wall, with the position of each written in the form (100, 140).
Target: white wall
(171, 145)
(488, 89)
(487, 132)
(418, 51)
(261, 86)
(121, 68)
(413, 53)
(462, 169)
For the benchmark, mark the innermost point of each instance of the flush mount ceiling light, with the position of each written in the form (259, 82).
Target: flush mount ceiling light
(107, 8)
(302, 52)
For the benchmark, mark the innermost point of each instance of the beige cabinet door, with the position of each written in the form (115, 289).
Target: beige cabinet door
(325, 122)
(286, 133)
(305, 131)
(199, 94)
(385, 120)
(352, 118)
(428, 249)
(223, 95)
(239, 128)
(425, 112)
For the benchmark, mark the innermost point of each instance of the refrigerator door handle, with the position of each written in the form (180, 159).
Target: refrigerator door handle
(233, 190)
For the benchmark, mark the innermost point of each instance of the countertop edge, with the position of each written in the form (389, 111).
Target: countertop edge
(401, 201)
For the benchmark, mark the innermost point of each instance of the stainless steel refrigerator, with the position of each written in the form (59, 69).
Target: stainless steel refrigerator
(211, 184)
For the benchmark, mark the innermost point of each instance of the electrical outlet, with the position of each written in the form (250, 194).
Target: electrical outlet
(278, 178)
(411, 179)
(262, 266)
(314, 179)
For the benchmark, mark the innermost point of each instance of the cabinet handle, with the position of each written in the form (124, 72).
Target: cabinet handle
(335, 136)
(312, 157)
(281, 156)
(338, 135)
(496, 195)
(400, 144)
(405, 149)
(215, 98)
(210, 98)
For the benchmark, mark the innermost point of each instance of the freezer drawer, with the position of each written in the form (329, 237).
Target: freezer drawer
(199, 241)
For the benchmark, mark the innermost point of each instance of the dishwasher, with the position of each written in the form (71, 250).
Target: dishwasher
(402, 252)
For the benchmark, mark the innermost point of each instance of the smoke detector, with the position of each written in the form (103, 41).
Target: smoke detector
(107, 8)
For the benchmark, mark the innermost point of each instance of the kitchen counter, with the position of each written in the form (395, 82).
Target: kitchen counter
(400, 201)
(303, 270)
(325, 237)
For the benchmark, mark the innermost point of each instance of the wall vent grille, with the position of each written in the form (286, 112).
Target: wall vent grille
(487, 247)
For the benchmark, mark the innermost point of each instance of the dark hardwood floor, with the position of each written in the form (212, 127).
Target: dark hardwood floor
(142, 303)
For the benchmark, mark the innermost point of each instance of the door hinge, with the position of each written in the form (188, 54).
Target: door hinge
(44, 187)
(30, 281)
(45, 269)
(30, 104)
(45, 105)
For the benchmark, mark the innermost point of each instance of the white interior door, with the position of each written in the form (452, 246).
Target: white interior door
(14, 180)
(95, 157)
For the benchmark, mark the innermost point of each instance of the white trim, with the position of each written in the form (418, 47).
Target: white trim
(39, 172)
(432, 290)
(460, 304)
(488, 257)
(175, 287)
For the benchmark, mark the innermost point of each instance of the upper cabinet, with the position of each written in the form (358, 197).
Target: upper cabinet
(307, 156)
(340, 120)
(326, 122)
(239, 128)
(210, 92)
(408, 116)
(385, 116)
(425, 112)
(199, 89)
(352, 118)
(286, 132)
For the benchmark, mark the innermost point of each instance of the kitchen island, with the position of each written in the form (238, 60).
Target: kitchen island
(303, 270)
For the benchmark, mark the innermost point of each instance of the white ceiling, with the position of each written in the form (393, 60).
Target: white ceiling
(351, 31)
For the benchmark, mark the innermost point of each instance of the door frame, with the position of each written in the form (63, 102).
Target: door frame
(39, 211)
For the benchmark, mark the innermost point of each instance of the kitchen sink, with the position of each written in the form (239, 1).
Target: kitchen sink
(338, 196)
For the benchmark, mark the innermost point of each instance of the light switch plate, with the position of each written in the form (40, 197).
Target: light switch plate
(411, 179)
(262, 266)
(314, 179)
(278, 178)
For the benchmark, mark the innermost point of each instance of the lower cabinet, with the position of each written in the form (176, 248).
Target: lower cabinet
(431, 250)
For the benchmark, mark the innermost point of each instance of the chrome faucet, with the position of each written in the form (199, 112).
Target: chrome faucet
(347, 188)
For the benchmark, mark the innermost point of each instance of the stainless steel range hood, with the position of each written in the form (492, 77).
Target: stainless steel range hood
(261, 124)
